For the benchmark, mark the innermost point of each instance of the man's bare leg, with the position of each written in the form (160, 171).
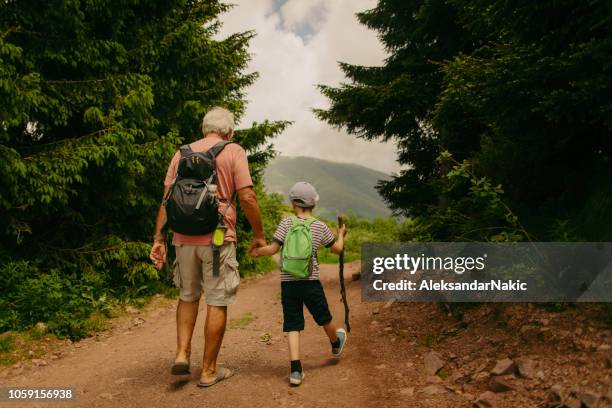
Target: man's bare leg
(214, 330)
(186, 315)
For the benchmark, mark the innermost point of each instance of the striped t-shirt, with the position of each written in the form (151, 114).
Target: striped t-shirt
(321, 235)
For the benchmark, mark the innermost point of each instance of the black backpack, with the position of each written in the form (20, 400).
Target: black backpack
(192, 206)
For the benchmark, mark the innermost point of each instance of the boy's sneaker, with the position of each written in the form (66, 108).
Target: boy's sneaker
(336, 351)
(296, 378)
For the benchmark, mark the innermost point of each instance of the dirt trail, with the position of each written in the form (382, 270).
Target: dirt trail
(383, 363)
(132, 367)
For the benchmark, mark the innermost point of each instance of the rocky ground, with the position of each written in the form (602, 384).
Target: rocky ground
(496, 355)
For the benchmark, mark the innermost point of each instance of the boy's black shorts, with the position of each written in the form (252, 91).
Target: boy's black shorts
(296, 294)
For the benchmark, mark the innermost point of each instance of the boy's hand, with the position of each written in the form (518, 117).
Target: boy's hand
(257, 243)
(342, 231)
(255, 252)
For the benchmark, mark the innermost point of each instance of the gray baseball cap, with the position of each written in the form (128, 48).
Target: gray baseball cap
(303, 194)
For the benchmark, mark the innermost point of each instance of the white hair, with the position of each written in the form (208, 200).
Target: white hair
(218, 120)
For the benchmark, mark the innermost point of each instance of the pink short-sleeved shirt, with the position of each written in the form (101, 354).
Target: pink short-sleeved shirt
(232, 175)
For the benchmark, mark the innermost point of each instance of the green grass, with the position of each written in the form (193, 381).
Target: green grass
(241, 322)
(20, 346)
(6, 343)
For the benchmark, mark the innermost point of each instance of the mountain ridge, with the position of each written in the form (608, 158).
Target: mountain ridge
(341, 186)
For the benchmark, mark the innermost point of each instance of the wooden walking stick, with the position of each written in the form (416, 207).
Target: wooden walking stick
(342, 287)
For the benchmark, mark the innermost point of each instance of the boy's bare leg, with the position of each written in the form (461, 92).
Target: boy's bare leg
(186, 315)
(214, 329)
(294, 345)
(330, 330)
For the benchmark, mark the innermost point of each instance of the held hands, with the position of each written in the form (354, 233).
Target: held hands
(256, 243)
(158, 254)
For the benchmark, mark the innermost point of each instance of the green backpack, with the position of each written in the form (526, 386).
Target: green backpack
(296, 255)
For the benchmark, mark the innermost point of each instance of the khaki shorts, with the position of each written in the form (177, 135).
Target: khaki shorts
(193, 270)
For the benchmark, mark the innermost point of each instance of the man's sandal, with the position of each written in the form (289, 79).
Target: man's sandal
(222, 374)
(180, 368)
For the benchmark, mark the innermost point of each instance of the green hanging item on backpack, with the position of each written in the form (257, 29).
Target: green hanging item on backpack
(296, 255)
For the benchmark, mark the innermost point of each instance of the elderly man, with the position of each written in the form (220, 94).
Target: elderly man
(193, 272)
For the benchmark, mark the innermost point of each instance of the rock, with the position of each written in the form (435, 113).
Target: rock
(388, 329)
(480, 377)
(39, 362)
(525, 367)
(41, 327)
(131, 310)
(500, 384)
(572, 402)
(456, 376)
(433, 362)
(375, 311)
(505, 366)
(408, 392)
(433, 379)
(138, 321)
(588, 399)
(603, 347)
(556, 394)
(540, 375)
(432, 390)
(485, 400)
(380, 367)
(106, 395)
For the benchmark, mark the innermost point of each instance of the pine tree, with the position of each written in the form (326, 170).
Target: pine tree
(515, 92)
(95, 98)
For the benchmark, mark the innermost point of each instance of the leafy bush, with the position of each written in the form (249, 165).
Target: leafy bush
(360, 231)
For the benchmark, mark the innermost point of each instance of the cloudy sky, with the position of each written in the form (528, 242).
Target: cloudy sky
(298, 45)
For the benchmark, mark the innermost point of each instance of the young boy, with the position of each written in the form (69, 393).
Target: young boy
(297, 292)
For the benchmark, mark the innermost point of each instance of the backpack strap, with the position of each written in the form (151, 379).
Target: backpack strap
(216, 149)
(185, 150)
(309, 221)
(294, 220)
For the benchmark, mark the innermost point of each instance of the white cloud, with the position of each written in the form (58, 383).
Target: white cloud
(298, 45)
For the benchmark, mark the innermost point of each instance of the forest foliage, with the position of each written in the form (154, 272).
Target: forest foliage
(95, 98)
(501, 113)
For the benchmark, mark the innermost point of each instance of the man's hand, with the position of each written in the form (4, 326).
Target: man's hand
(256, 243)
(342, 231)
(158, 254)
